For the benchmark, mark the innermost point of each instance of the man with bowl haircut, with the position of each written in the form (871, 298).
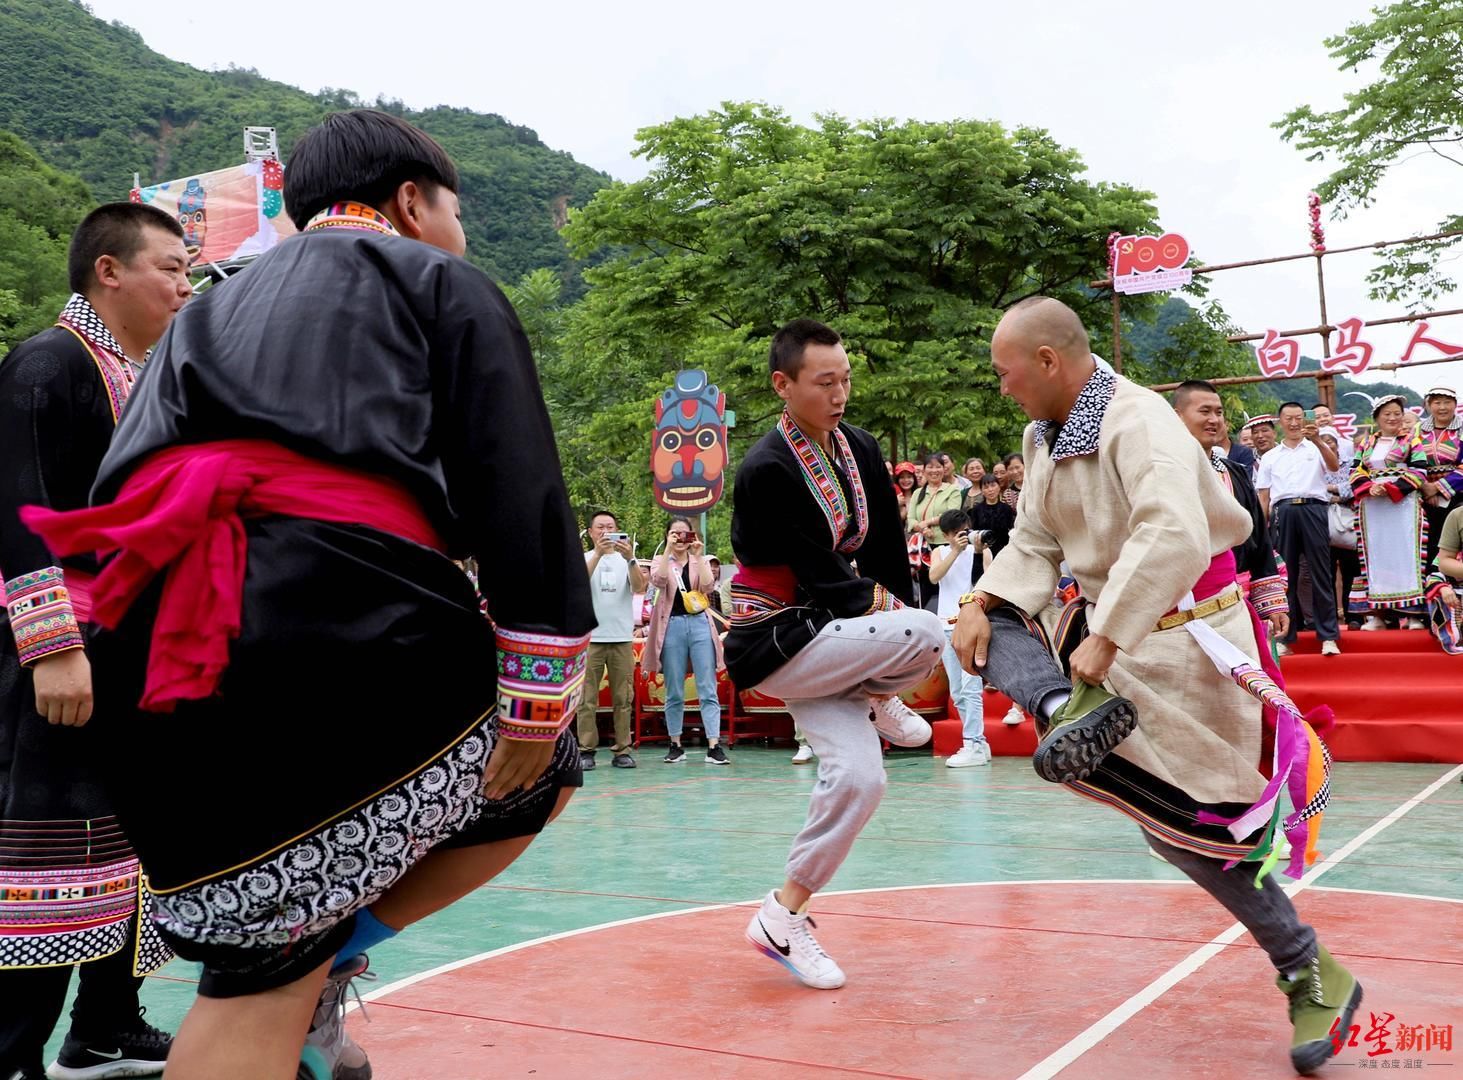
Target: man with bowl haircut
(69, 879)
(348, 744)
(1118, 491)
(823, 618)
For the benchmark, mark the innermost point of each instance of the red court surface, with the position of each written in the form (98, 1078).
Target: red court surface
(983, 980)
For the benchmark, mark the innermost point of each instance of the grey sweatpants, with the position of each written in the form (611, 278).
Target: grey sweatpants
(826, 687)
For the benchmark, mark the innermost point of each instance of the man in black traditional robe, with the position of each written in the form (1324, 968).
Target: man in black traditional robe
(822, 618)
(344, 754)
(1199, 406)
(69, 880)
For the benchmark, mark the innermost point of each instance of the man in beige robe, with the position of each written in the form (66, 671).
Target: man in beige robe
(1117, 488)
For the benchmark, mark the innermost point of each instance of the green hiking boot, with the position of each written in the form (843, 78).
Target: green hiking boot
(1323, 997)
(1083, 732)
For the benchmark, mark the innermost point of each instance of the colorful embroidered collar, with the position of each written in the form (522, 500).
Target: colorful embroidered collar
(351, 215)
(821, 477)
(1080, 434)
(79, 315)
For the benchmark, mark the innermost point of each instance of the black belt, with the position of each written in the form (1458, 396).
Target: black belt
(1301, 502)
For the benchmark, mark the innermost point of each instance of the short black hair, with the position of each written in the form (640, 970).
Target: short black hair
(679, 521)
(789, 342)
(362, 155)
(1289, 405)
(604, 513)
(1192, 386)
(1320, 405)
(952, 521)
(935, 458)
(990, 478)
(1006, 461)
(113, 229)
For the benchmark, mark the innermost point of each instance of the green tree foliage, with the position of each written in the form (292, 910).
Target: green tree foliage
(1413, 52)
(39, 208)
(910, 239)
(94, 100)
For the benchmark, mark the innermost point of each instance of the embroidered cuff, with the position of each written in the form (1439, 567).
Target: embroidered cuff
(1267, 595)
(540, 683)
(1394, 492)
(1434, 585)
(1448, 487)
(884, 600)
(41, 615)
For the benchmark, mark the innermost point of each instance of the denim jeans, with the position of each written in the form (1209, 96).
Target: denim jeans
(966, 692)
(688, 643)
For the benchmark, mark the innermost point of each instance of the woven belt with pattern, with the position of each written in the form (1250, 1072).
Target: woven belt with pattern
(1215, 604)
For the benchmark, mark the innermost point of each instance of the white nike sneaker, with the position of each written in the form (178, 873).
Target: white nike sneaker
(804, 754)
(898, 723)
(1013, 716)
(785, 936)
(968, 755)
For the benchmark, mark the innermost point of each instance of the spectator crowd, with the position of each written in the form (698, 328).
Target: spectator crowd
(1367, 532)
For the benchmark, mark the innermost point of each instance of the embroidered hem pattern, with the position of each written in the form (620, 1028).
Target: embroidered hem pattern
(540, 683)
(41, 615)
(71, 915)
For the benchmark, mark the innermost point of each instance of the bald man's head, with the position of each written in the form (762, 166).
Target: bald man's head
(1042, 355)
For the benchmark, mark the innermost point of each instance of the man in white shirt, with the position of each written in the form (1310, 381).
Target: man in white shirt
(614, 579)
(1292, 487)
(952, 571)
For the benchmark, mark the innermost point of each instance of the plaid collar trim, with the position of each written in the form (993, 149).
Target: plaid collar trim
(1079, 436)
(83, 318)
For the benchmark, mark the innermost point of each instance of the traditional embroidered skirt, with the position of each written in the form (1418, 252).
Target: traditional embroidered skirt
(1391, 540)
(69, 881)
(348, 739)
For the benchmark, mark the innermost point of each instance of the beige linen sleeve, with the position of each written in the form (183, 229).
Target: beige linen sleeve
(1173, 500)
(1025, 572)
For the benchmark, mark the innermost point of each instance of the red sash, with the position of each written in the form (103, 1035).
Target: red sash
(181, 514)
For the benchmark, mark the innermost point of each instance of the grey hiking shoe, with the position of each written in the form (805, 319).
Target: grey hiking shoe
(341, 1055)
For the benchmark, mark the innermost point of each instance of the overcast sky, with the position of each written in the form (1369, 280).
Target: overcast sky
(1171, 97)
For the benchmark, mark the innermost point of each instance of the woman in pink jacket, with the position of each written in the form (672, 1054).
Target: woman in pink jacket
(682, 636)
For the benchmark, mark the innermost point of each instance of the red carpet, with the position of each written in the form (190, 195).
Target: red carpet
(1396, 694)
(1397, 697)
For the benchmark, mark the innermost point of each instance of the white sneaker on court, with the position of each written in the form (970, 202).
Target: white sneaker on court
(968, 755)
(1013, 716)
(804, 754)
(898, 723)
(785, 936)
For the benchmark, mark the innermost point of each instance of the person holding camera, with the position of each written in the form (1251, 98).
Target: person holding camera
(954, 571)
(614, 579)
(682, 635)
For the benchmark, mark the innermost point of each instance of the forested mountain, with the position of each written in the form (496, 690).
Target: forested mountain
(92, 99)
(39, 208)
(1147, 342)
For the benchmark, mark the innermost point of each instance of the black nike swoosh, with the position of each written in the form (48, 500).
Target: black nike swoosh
(786, 950)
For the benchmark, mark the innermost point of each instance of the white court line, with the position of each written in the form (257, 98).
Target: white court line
(1054, 1063)
(442, 969)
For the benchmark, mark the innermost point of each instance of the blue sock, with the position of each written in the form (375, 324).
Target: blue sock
(368, 931)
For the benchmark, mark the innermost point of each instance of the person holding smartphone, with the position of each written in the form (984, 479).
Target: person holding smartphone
(614, 579)
(954, 571)
(682, 636)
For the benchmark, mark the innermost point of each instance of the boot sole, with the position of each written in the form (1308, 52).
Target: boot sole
(1308, 1057)
(1074, 751)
